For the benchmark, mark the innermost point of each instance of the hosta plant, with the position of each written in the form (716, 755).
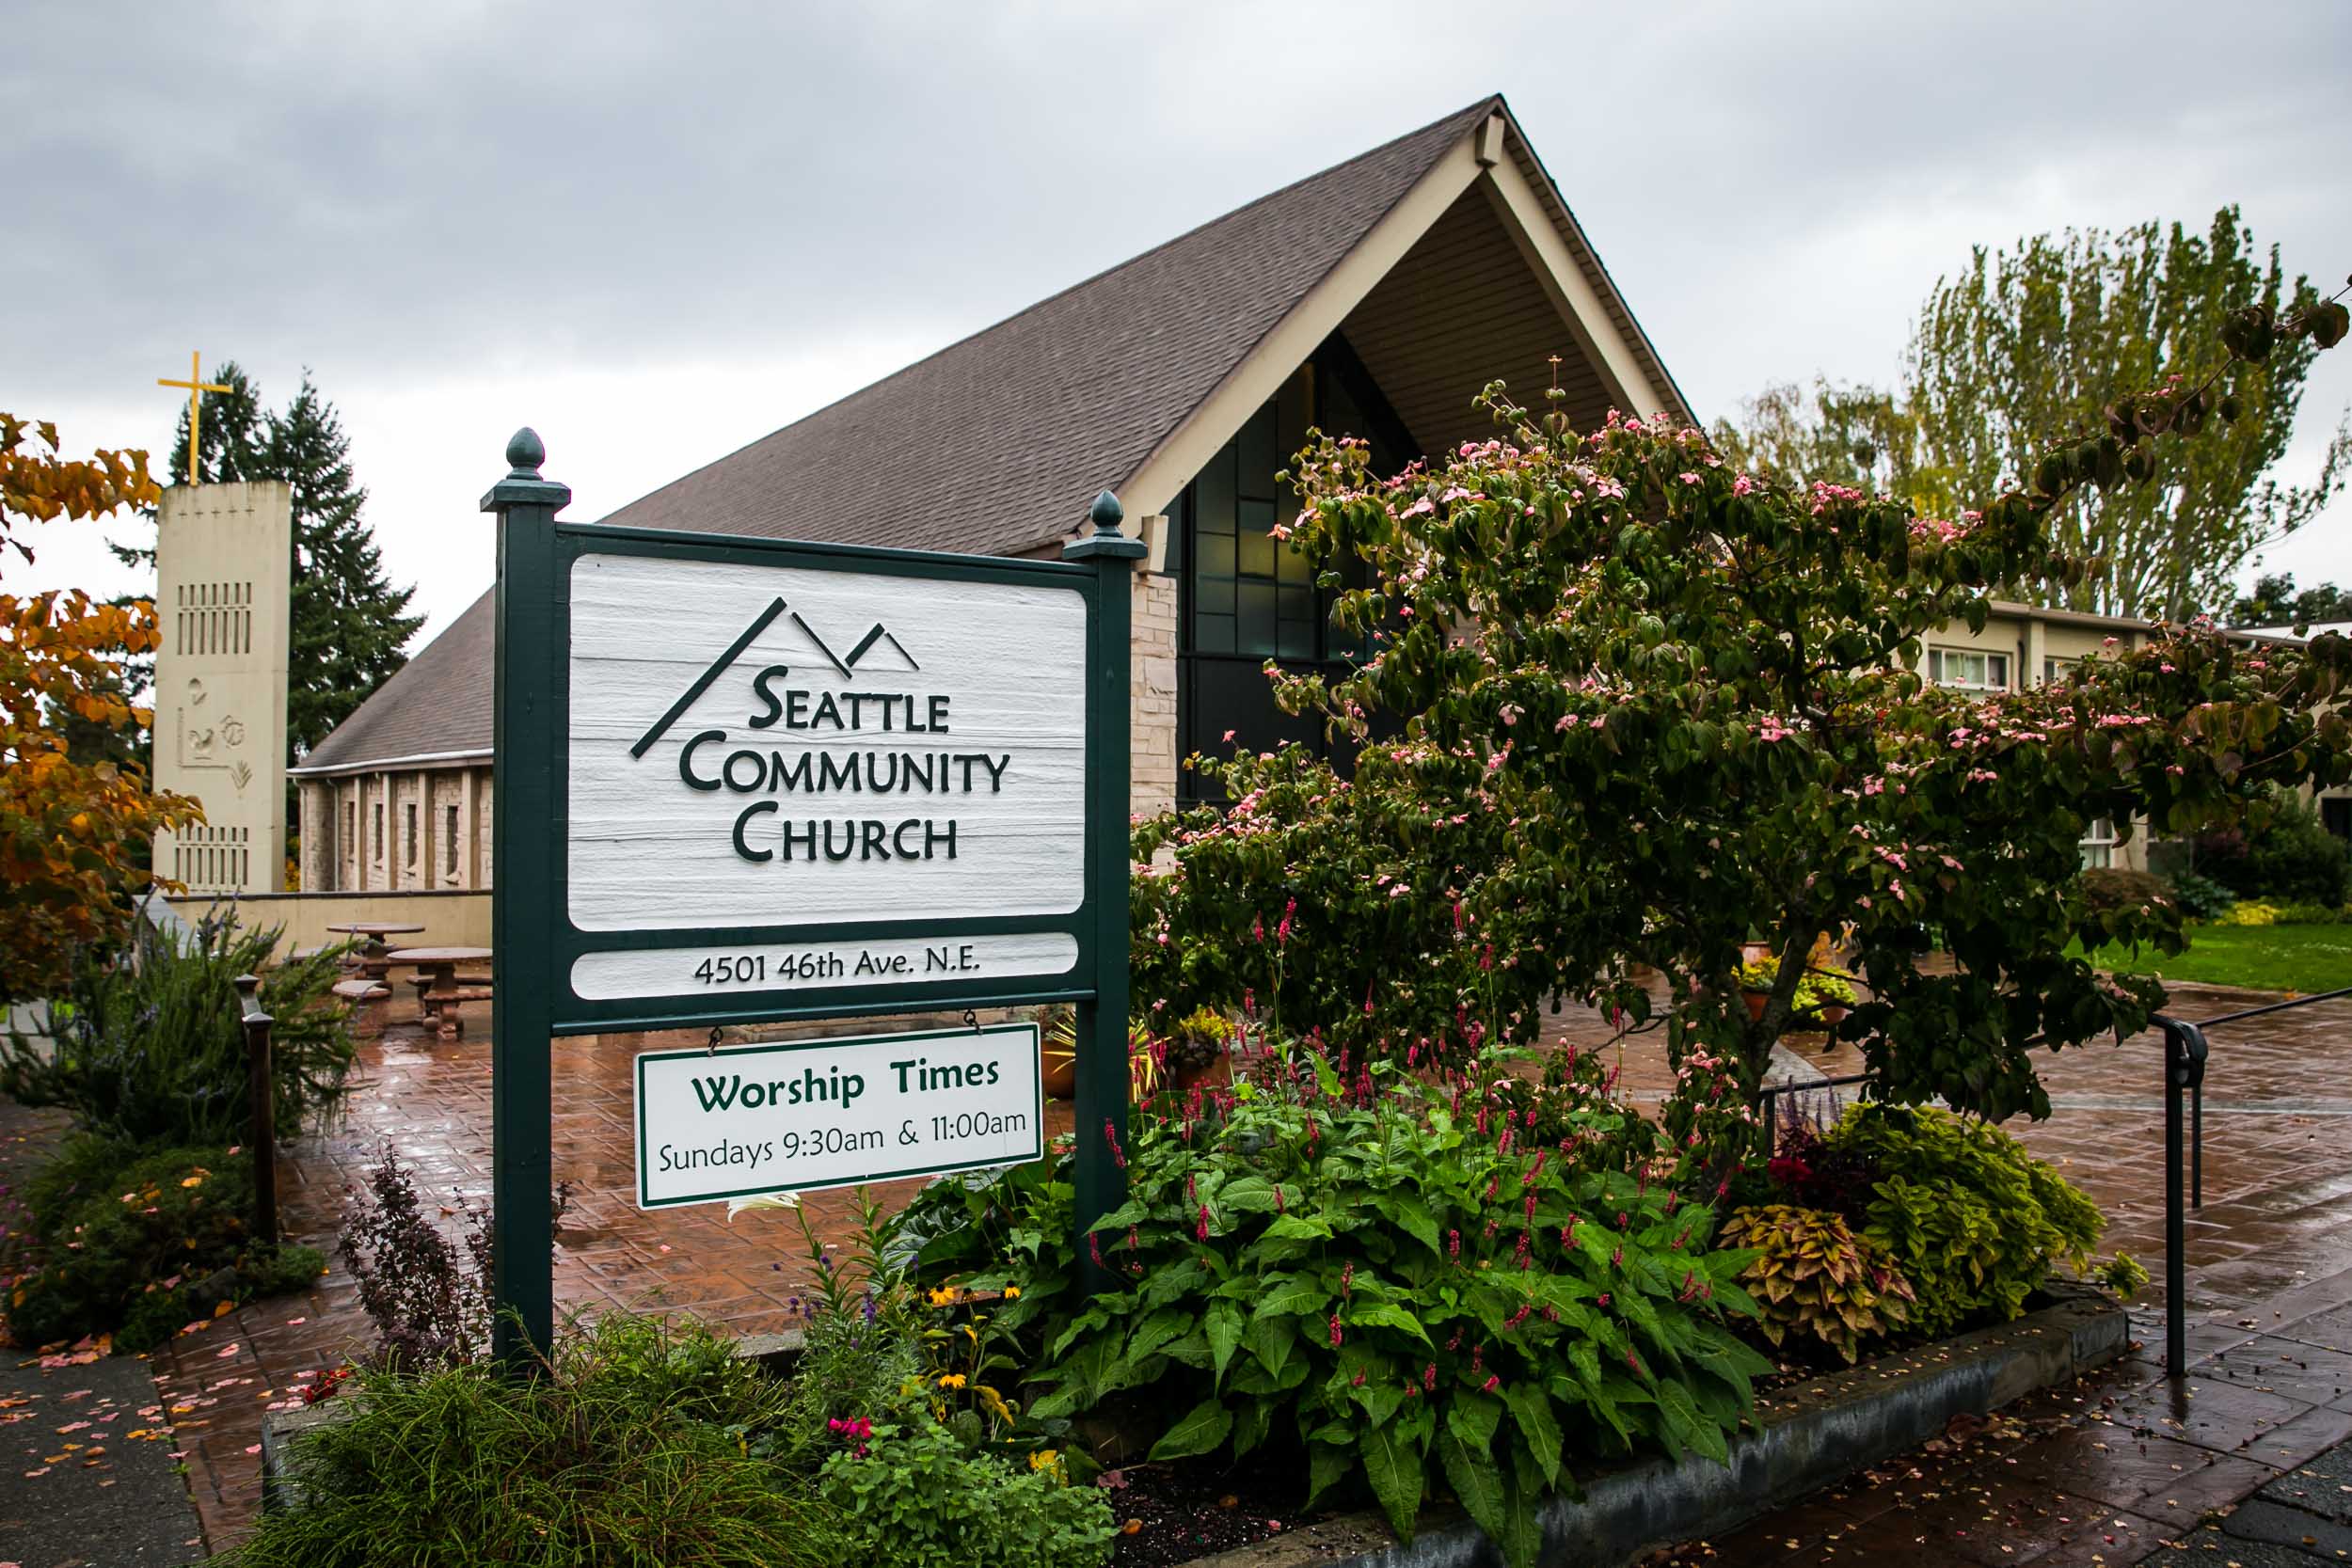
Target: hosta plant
(1382, 1267)
(1973, 1220)
(1815, 1281)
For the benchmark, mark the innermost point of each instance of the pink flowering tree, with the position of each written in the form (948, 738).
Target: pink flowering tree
(1631, 709)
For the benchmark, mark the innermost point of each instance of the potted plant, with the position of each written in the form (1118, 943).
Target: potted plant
(1824, 991)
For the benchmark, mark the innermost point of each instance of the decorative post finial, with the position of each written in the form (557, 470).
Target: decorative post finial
(1106, 539)
(524, 486)
(1107, 514)
(525, 451)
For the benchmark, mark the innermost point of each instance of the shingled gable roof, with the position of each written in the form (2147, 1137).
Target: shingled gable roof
(995, 444)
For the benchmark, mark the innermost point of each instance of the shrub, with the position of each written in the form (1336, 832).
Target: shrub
(2307, 914)
(2250, 912)
(1377, 1261)
(2282, 852)
(2201, 897)
(1816, 1280)
(138, 1243)
(915, 1497)
(153, 1051)
(430, 1306)
(627, 1448)
(1971, 1219)
(851, 1368)
(2109, 889)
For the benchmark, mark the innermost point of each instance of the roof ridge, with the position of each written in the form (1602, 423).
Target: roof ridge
(1489, 104)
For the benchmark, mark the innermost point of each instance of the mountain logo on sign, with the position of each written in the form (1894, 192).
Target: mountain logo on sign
(878, 636)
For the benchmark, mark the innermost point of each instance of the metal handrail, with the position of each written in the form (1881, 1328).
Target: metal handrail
(2185, 1057)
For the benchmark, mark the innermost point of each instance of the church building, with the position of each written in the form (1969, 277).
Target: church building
(1373, 299)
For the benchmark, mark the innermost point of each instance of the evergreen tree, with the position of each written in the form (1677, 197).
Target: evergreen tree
(348, 620)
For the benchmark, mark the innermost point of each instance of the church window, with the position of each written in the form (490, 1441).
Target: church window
(409, 859)
(449, 840)
(376, 852)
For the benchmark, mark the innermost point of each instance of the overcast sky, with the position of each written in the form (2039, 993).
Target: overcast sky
(655, 232)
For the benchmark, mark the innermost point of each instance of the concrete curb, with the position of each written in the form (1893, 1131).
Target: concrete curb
(1814, 1435)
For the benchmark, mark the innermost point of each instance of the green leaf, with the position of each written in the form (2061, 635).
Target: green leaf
(1200, 1429)
(1393, 1463)
(1385, 1315)
(1223, 1327)
(1522, 1537)
(1271, 1340)
(1290, 1294)
(1302, 1227)
(1474, 1416)
(1477, 1481)
(1250, 1427)
(1326, 1464)
(1530, 1407)
(1246, 1194)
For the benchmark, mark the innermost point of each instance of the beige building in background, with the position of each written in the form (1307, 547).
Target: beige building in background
(224, 605)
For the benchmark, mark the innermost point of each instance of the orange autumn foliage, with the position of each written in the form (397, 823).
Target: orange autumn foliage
(70, 826)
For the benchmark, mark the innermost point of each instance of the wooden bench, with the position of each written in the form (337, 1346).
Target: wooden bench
(361, 990)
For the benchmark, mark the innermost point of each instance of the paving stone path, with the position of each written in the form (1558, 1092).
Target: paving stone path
(2102, 1473)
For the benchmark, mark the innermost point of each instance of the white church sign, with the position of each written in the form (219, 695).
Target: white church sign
(800, 749)
(744, 780)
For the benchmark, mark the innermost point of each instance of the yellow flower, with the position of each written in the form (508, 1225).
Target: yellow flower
(951, 1380)
(1013, 1292)
(1044, 1459)
(943, 1296)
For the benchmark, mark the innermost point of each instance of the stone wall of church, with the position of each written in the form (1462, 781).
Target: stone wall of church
(1151, 744)
(406, 830)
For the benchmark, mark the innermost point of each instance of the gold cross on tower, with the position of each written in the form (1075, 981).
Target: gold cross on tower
(197, 387)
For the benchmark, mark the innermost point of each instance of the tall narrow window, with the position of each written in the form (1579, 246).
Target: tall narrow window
(410, 821)
(448, 841)
(377, 849)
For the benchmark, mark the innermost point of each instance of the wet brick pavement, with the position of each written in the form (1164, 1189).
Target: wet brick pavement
(2100, 1473)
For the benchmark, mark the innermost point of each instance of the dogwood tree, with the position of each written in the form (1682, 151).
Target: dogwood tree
(1654, 707)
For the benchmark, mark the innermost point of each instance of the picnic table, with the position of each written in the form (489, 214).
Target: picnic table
(374, 958)
(439, 995)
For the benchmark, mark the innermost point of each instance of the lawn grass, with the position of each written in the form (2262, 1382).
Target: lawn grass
(2259, 957)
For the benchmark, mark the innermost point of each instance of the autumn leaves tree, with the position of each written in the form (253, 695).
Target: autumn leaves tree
(70, 824)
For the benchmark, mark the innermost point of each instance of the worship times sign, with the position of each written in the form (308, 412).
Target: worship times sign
(808, 1114)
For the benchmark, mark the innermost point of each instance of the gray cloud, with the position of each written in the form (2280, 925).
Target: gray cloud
(429, 193)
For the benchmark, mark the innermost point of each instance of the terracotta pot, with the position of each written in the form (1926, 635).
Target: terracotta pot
(1833, 1015)
(1216, 1069)
(1057, 1068)
(1755, 1000)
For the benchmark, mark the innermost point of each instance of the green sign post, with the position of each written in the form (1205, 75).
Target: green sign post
(743, 781)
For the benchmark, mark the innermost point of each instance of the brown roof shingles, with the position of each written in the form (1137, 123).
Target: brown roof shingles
(994, 445)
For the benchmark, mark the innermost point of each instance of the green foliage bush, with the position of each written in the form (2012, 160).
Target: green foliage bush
(1969, 1216)
(627, 1450)
(918, 1499)
(138, 1243)
(2281, 852)
(152, 1051)
(2201, 897)
(1816, 1280)
(2107, 889)
(1385, 1271)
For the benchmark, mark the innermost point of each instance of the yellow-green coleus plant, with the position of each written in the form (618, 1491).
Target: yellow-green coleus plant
(1816, 1280)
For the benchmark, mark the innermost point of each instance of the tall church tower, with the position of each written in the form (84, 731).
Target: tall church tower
(223, 599)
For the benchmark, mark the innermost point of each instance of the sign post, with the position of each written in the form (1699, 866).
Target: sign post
(742, 781)
(1102, 1022)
